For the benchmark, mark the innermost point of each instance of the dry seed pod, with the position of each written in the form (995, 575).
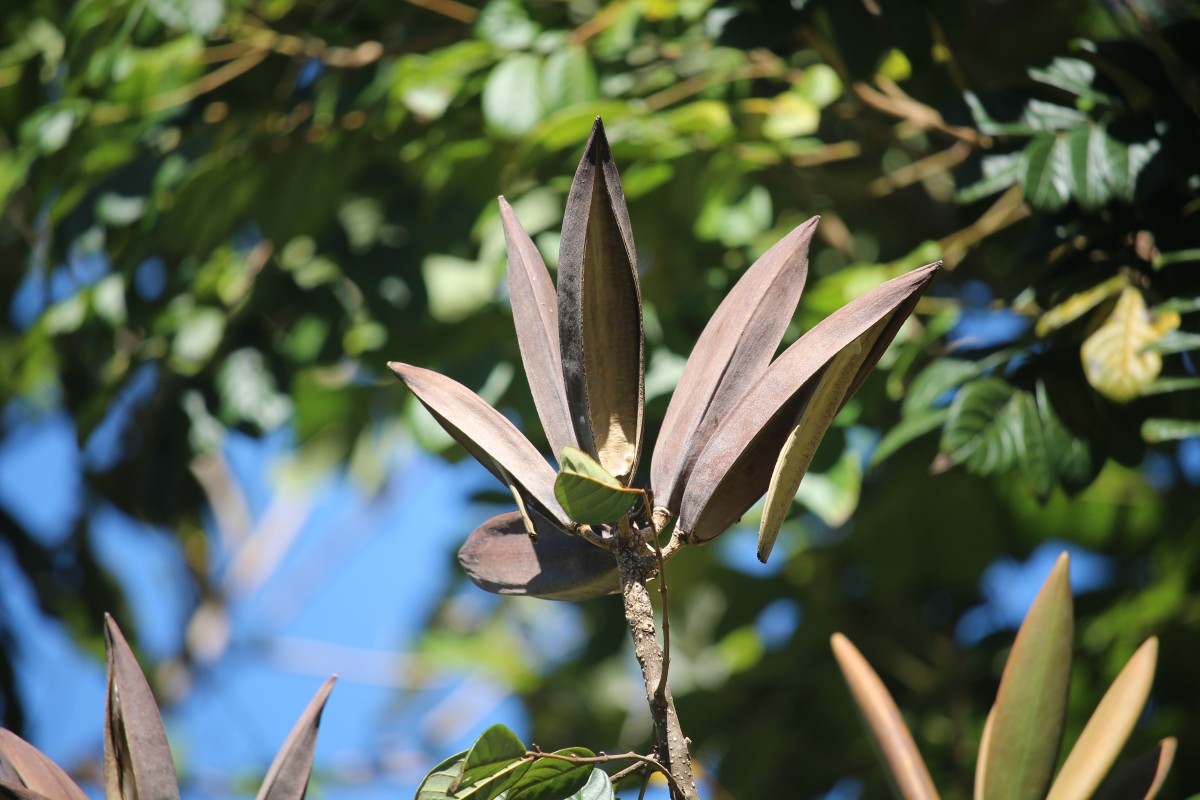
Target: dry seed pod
(287, 778)
(535, 316)
(500, 558)
(732, 352)
(600, 314)
(486, 434)
(735, 468)
(906, 769)
(23, 766)
(137, 758)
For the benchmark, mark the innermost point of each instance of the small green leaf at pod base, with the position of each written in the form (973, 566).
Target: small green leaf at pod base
(588, 492)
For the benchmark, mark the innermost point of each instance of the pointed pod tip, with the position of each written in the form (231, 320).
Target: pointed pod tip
(397, 368)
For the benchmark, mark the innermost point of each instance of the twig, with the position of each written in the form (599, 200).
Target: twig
(895, 102)
(920, 170)
(634, 569)
(1008, 209)
(449, 8)
(604, 758)
(660, 695)
(764, 68)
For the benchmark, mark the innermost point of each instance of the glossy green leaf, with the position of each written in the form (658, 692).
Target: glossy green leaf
(495, 749)
(568, 77)
(1046, 172)
(1072, 459)
(907, 430)
(1141, 778)
(976, 433)
(995, 173)
(441, 779)
(588, 492)
(1027, 720)
(930, 387)
(894, 744)
(1108, 729)
(598, 787)
(1072, 75)
(287, 778)
(552, 778)
(1098, 165)
(512, 102)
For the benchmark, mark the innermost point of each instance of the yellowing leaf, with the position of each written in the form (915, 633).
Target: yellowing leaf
(1079, 304)
(1115, 357)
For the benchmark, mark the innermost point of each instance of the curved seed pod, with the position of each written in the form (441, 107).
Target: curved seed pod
(23, 765)
(287, 779)
(12, 791)
(600, 314)
(734, 469)
(486, 434)
(1110, 725)
(500, 558)
(732, 352)
(905, 768)
(137, 758)
(813, 420)
(1025, 725)
(535, 316)
(1141, 778)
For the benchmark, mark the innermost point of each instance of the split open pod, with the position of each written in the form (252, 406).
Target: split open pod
(740, 423)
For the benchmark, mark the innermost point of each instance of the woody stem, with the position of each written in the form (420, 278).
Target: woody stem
(636, 566)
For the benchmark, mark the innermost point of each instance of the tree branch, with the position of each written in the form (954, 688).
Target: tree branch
(635, 566)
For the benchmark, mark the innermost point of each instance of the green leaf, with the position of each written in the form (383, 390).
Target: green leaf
(437, 784)
(933, 382)
(1158, 429)
(1071, 458)
(1105, 733)
(1176, 342)
(598, 787)
(588, 492)
(1098, 166)
(1025, 725)
(906, 430)
(506, 24)
(512, 99)
(1079, 304)
(200, 17)
(568, 77)
(977, 434)
(1074, 76)
(997, 173)
(1046, 172)
(553, 778)
(497, 748)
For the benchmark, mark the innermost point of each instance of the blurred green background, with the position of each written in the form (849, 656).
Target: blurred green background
(222, 217)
